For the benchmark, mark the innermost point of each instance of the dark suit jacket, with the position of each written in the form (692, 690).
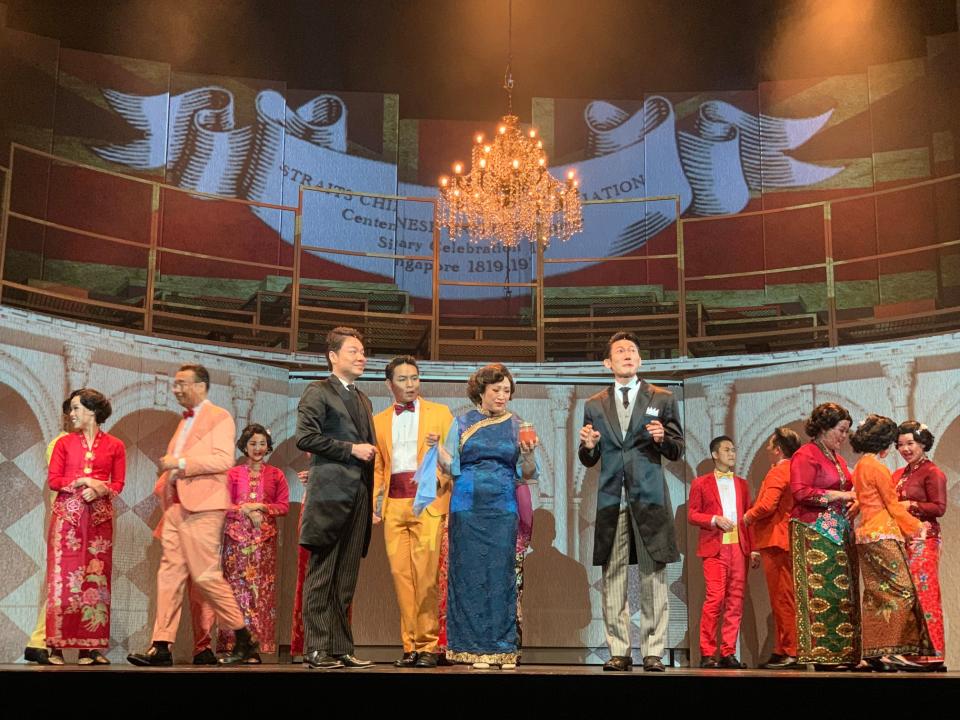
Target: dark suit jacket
(634, 463)
(327, 429)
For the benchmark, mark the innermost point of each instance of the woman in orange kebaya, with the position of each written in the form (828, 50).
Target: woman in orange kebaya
(892, 621)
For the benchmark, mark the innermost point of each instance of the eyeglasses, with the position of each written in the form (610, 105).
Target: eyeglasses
(180, 384)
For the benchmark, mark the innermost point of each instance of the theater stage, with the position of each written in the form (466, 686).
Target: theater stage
(543, 690)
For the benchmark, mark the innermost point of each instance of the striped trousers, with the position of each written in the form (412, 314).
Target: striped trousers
(653, 594)
(329, 585)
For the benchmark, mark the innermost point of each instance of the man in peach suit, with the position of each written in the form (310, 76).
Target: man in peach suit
(405, 430)
(202, 615)
(769, 519)
(195, 500)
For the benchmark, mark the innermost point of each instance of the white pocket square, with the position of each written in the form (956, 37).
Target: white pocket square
(653, 412)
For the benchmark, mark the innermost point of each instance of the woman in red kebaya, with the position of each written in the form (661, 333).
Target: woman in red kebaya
(87, 469)
(259, 495)
(922, 489)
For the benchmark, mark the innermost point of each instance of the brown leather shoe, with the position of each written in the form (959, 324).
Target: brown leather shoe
(651, 663)
(619, 663)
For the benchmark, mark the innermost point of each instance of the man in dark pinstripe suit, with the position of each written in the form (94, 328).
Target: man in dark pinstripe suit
(335, 425)
(628, 428)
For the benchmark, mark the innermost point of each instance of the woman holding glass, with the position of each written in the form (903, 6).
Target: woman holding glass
(492, 460)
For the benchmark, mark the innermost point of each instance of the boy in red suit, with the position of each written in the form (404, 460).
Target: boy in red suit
(717, 503)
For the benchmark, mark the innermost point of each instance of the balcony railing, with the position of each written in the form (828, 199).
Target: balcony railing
(684, 293)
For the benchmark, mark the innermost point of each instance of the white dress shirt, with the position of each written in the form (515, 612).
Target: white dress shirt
(403, 457)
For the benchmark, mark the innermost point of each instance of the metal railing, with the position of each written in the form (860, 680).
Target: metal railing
(288, 311)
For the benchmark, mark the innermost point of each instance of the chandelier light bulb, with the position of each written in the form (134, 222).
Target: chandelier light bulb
(505, 196)
(571, 174)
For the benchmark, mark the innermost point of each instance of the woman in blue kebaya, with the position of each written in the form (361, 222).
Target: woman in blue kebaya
(490, 507)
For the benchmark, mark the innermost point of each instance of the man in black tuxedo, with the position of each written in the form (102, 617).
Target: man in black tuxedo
(335, 425)
(628, 427)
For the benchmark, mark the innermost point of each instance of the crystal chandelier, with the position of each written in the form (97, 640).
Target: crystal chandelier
(509, 195)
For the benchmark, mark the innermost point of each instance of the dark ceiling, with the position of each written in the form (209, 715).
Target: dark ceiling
(446, 58)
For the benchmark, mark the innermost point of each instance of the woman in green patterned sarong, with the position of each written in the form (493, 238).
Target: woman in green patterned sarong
(825, 572)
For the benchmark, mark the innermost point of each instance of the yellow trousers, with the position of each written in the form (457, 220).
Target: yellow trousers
(413, 550)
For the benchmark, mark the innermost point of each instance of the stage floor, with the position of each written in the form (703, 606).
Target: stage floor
(545, 690)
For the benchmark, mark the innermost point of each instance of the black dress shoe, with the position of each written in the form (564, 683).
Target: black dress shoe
(154, 657)
(708, 663)
(205, 657)
(427, 660)
(244, 648)
(730, 662)
(316, 661)
(651, 663)
(354, 663)
(618, 663)
(409, 659)
(41, 656)
(442, 660)
(774, 660)
(878, 664)
(785, 662)
(901, 664)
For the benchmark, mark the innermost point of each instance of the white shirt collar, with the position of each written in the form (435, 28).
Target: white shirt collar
(345, 383)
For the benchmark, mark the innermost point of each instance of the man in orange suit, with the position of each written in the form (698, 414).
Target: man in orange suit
(193, 488)
(769, 521)
(717, 504)
(405, 431)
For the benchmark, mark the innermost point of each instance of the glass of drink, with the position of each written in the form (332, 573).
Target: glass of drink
(528, 433)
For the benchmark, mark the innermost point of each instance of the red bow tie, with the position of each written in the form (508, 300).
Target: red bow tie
(400, 407)
(188, 413)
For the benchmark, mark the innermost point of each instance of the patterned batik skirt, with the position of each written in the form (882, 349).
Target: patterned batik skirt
(892, 620)
(924, 558)
(79, 570)
(828, 602)
(250, 567)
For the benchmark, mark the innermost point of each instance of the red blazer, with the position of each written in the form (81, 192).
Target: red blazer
(704, 503)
